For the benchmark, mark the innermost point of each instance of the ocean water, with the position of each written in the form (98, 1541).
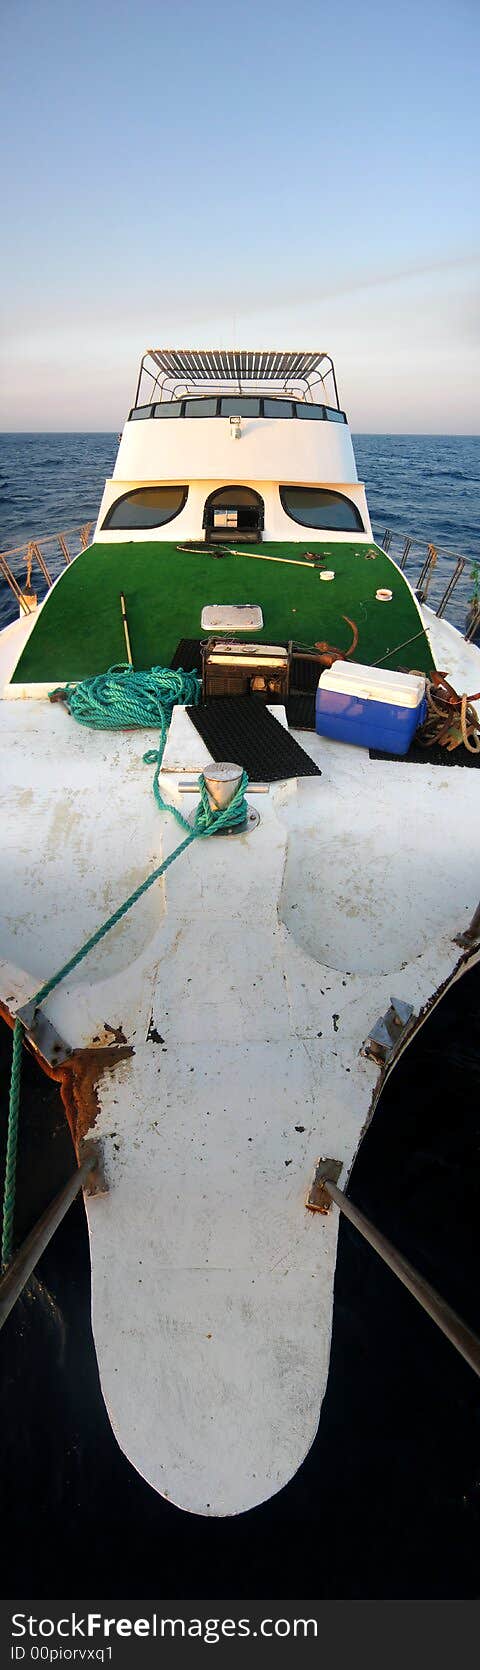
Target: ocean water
(427, 486)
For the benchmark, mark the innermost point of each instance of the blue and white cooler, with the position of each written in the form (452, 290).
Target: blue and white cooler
(370, 706)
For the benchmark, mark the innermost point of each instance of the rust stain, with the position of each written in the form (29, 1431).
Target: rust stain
(116, 1031)
(78, 1078)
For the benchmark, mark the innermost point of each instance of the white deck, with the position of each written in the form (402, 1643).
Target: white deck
(246, 982)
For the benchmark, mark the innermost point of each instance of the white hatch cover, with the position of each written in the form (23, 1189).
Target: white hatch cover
(375, 684)
(228, 617)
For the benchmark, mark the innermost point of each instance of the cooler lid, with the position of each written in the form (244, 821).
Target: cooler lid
(374, 684)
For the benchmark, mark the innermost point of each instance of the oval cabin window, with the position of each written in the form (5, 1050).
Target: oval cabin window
(319, 507)
(146, 507)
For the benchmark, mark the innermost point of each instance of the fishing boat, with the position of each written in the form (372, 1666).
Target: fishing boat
(239, 858)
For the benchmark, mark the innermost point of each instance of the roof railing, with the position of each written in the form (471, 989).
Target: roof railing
(232, 369)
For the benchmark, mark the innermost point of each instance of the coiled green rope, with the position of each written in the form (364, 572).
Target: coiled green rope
(117, 699)
(124, 698)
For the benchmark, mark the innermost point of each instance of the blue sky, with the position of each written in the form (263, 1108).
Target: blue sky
(260, 174)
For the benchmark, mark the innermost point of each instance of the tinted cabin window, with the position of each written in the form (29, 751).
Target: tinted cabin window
(168, 408)
(334, 416)
(140, 412)
(201, 408)
(304, 411)
(146, 507)
(247, 405)
(278, 408)
(318, 507)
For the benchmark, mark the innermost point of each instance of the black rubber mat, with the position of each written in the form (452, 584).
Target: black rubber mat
(304, 672)
(187, 656)
(429, 756)
(301, 711)
(240, 728)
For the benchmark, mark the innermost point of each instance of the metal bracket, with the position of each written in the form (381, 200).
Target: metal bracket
(318, 1198)
(386, 1034)
(471, 935)
(42, 1035)
(96, 1182)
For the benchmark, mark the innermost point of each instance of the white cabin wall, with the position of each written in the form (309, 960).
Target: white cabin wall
(188, 525)
(269, 449)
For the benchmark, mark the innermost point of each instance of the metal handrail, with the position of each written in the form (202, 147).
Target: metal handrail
(412, 548)
(32, 554)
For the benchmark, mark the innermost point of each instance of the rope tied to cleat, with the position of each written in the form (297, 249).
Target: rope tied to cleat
(120, 698)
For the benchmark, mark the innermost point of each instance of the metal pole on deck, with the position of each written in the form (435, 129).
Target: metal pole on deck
(462, 1337)
(17, 1275)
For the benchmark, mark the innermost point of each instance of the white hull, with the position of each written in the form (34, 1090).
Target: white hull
(231, 1006)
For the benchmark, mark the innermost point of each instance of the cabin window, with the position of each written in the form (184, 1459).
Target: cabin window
(244, 405)
(312, 412)
(319, 507)
(146, 507)
(168, 408)
(278, 408)
(247, 405)
(204, 407)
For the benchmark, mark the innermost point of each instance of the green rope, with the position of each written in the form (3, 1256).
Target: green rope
(206, 823)
(12, 1139)
(122, 697)
(118, 698)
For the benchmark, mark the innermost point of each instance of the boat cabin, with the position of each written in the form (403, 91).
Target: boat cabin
(235, 486)
(238, 445)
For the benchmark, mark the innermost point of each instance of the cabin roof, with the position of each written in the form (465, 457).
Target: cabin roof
(175, 370)
(234, 364)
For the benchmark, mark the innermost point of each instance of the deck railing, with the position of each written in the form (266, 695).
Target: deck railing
(434, 572)
(30, 570)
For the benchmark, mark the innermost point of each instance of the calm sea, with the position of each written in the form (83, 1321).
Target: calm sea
(423, 485)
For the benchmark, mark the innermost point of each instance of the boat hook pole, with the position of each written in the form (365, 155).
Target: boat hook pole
(463, 1338)
(17, 1275)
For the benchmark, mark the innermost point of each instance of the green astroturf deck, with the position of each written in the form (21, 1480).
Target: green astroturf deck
(79, 630)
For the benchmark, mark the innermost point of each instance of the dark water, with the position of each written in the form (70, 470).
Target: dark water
(423, 485)
(388, 1502)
